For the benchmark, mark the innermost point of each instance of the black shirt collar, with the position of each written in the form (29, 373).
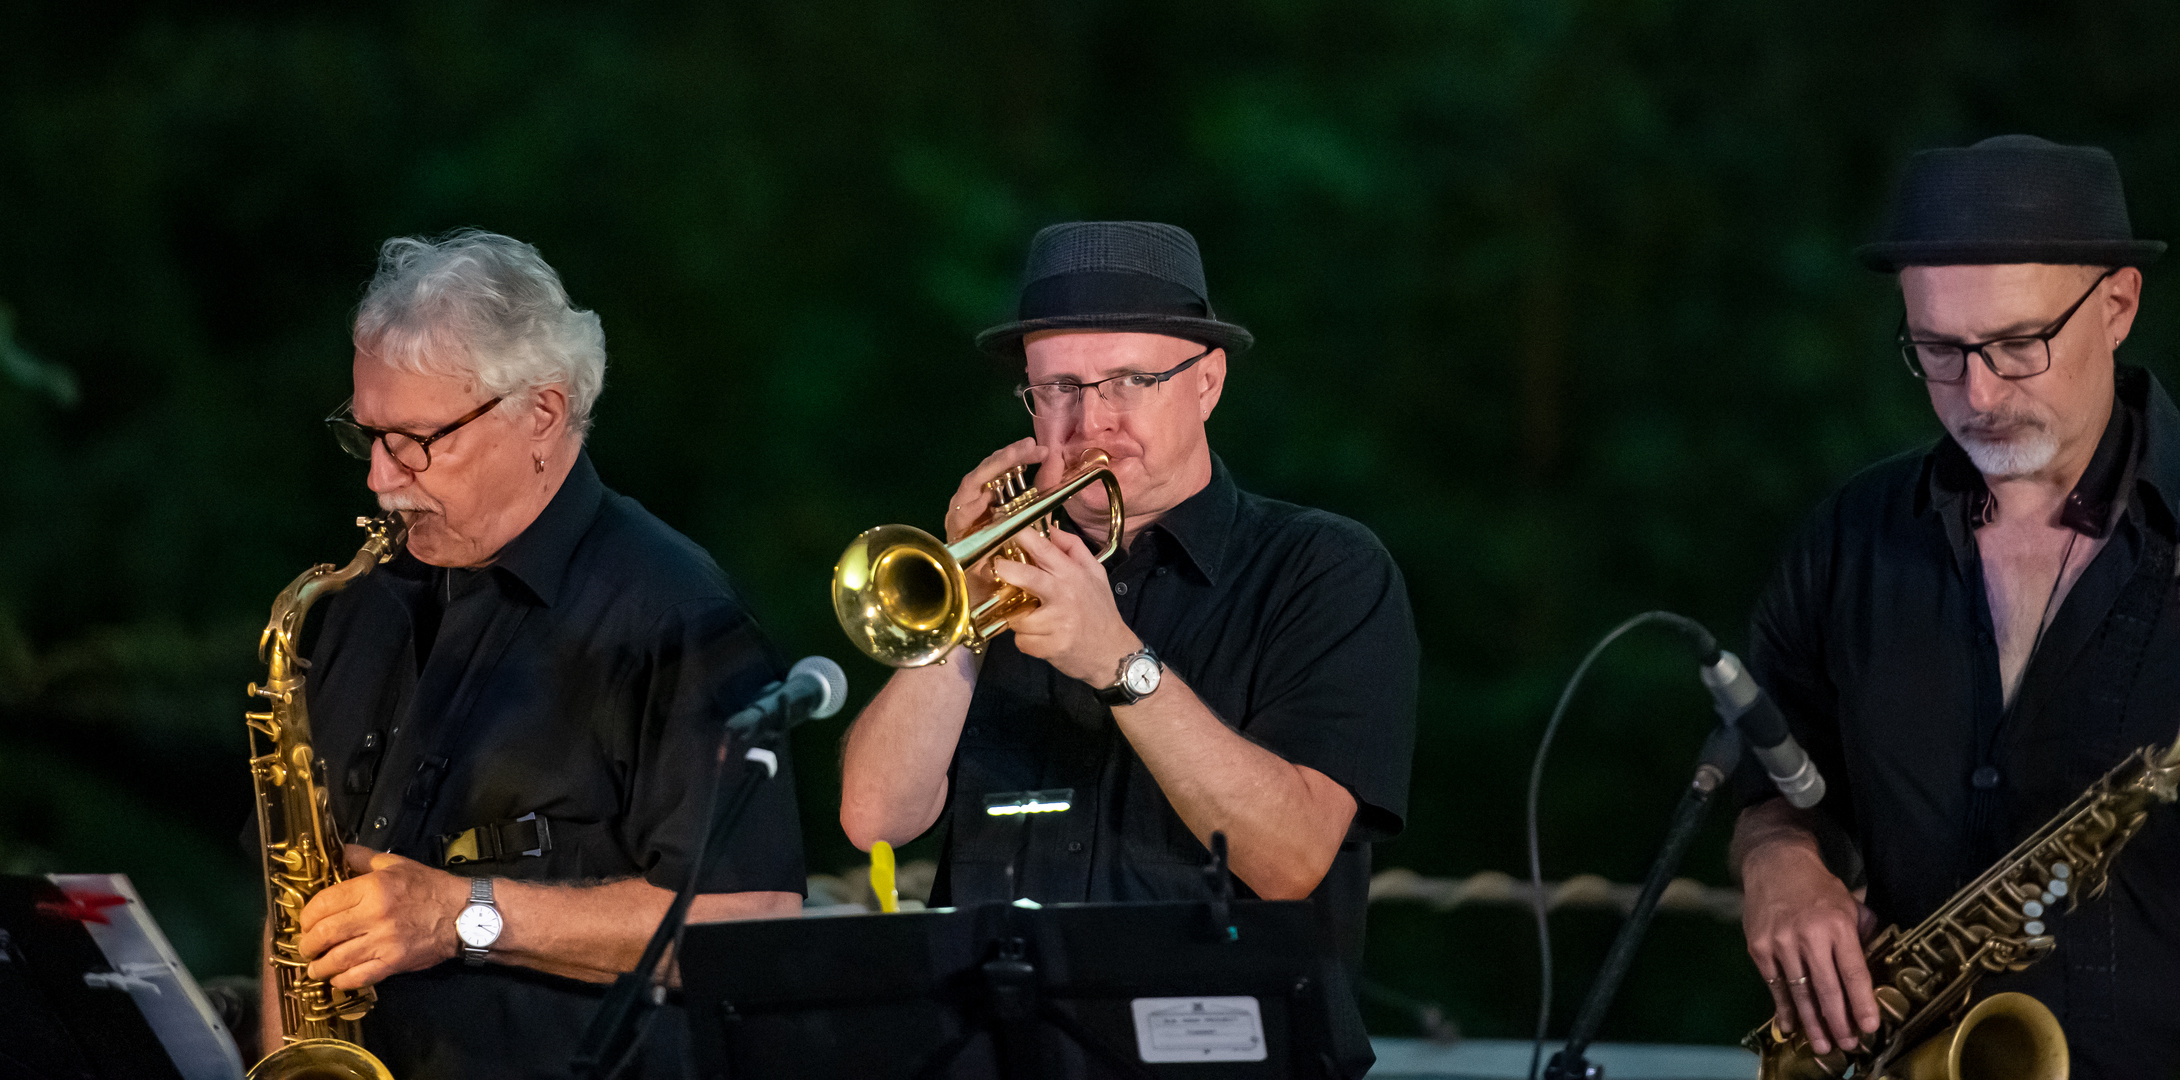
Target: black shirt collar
(2141, 440)
(538, 558)
(1201, 524)
(2159, 467)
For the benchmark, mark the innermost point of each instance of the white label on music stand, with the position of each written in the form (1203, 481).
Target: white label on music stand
(1182, 1029)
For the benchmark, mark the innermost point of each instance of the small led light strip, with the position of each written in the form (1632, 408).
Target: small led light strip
(1010, 803)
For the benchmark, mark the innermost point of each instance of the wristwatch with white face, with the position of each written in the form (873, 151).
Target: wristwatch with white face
(1139, 675)
(479, 924)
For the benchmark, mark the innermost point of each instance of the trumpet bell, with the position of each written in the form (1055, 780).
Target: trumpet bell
(901, 596)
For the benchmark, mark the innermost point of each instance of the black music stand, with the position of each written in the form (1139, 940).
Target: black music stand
(1012, 992)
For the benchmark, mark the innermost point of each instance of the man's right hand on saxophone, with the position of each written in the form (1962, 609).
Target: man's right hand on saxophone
(1805, 928)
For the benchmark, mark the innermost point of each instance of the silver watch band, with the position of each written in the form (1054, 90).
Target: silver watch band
(480, 892)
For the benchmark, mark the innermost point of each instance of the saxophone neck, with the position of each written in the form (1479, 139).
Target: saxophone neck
(277, 645)
(2161, 775)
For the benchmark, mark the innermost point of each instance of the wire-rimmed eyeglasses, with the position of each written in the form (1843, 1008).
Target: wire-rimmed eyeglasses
(1120, 393)
(411, 452)
(2013, 357)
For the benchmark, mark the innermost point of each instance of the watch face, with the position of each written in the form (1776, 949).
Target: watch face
(478, 925)
(1142, 676)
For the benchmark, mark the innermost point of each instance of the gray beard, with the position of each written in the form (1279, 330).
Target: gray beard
(2026, 454)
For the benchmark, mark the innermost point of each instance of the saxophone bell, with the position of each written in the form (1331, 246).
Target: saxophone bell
(2004, 1037)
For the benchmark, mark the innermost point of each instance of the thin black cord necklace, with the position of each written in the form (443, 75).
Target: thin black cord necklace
(2043, 621)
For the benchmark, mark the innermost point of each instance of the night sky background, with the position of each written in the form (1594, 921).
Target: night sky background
(1555, 296)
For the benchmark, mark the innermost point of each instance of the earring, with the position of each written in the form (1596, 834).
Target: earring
(539, 462)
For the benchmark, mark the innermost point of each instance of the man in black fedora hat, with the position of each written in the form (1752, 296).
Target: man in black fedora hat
(1966, 636)
(1245, 666)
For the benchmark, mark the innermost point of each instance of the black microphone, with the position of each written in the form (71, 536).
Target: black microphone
(814, 689)
(1744, 706)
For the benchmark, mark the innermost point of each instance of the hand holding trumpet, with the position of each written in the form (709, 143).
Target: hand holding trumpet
(907, 599)
(1076, 626)
(974, 499)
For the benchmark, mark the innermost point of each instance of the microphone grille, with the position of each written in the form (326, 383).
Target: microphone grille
(824, 670)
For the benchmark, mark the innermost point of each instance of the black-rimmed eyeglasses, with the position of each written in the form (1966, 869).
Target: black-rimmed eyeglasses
(411, 452)
(1120, 393)
(2017, 357)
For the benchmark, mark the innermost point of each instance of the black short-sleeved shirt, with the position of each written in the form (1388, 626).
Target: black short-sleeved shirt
(1291, 624)
(583, 677)
(1876, 638)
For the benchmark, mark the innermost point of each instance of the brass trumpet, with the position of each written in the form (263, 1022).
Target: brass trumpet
(903, 596)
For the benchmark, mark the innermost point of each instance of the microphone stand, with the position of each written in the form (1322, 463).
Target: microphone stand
(619, 1025)
(1721, 753)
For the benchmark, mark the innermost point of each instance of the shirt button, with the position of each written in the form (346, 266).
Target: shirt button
(370, 739)
(1074, 847)
(970, 730)
(379, 824)
(1985, 778)
(1161, 571)
(1120, 588)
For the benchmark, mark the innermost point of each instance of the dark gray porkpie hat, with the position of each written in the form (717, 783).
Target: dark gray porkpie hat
(2010, 199)
(1114, 275)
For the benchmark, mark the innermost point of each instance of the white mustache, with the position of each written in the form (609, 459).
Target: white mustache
(2000, 424)
(396, 501)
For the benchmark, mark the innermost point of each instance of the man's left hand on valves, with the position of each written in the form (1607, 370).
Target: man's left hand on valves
(395, 915)
(1076, 627)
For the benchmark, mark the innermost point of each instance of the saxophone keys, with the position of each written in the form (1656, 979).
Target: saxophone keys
(2056, 889)
(2034, 928)
(2061, 871)
(1892, 1003)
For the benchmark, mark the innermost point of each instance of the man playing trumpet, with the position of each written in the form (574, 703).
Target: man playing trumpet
(1243, 665)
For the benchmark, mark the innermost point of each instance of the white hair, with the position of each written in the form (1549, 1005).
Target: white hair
(485, 307)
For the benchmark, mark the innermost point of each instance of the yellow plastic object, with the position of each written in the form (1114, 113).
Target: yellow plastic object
(881, 877)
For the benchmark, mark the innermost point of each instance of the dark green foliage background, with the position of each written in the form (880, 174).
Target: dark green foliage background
(1554, 295)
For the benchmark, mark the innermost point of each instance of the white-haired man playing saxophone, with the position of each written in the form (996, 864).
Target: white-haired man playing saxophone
(517, 714)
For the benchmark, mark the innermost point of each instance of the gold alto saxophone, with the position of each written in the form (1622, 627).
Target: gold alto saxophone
(1924, 978)
(300, 841)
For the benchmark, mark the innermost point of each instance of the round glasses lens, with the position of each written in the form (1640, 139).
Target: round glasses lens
(353, 440)
(2019, 357)
(406, 452)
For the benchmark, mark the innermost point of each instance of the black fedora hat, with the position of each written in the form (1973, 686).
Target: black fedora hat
(1114, 275)
(2010, 199)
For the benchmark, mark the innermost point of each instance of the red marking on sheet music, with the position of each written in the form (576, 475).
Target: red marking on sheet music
(83, 907)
